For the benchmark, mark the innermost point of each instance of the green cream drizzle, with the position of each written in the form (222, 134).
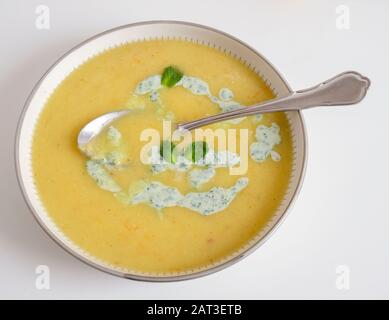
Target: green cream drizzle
(197, 86)
(103, 179)
(157, 195)
(266, 139)
(114, 135)
(160, 196)
(197, 177)
(214, 200)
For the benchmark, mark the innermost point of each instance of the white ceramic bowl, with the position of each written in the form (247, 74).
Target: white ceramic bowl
(143, 31)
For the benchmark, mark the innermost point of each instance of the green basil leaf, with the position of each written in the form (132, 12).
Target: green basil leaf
(170, 76)
(167, 151)
(196, 151)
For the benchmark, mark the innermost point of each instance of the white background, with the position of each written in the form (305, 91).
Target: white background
(341, 216)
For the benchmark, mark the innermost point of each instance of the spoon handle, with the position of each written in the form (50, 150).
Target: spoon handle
(346, 88)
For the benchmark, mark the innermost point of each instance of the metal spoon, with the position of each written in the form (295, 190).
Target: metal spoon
(344, 89)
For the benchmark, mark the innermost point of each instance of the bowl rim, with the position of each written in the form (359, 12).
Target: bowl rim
(150, 278)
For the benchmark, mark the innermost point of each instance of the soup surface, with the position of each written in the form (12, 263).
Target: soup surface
(183, 209)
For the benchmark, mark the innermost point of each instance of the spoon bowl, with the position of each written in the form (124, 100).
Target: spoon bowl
(93, 128)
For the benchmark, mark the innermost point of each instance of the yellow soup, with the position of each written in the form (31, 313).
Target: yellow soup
(184, 212)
